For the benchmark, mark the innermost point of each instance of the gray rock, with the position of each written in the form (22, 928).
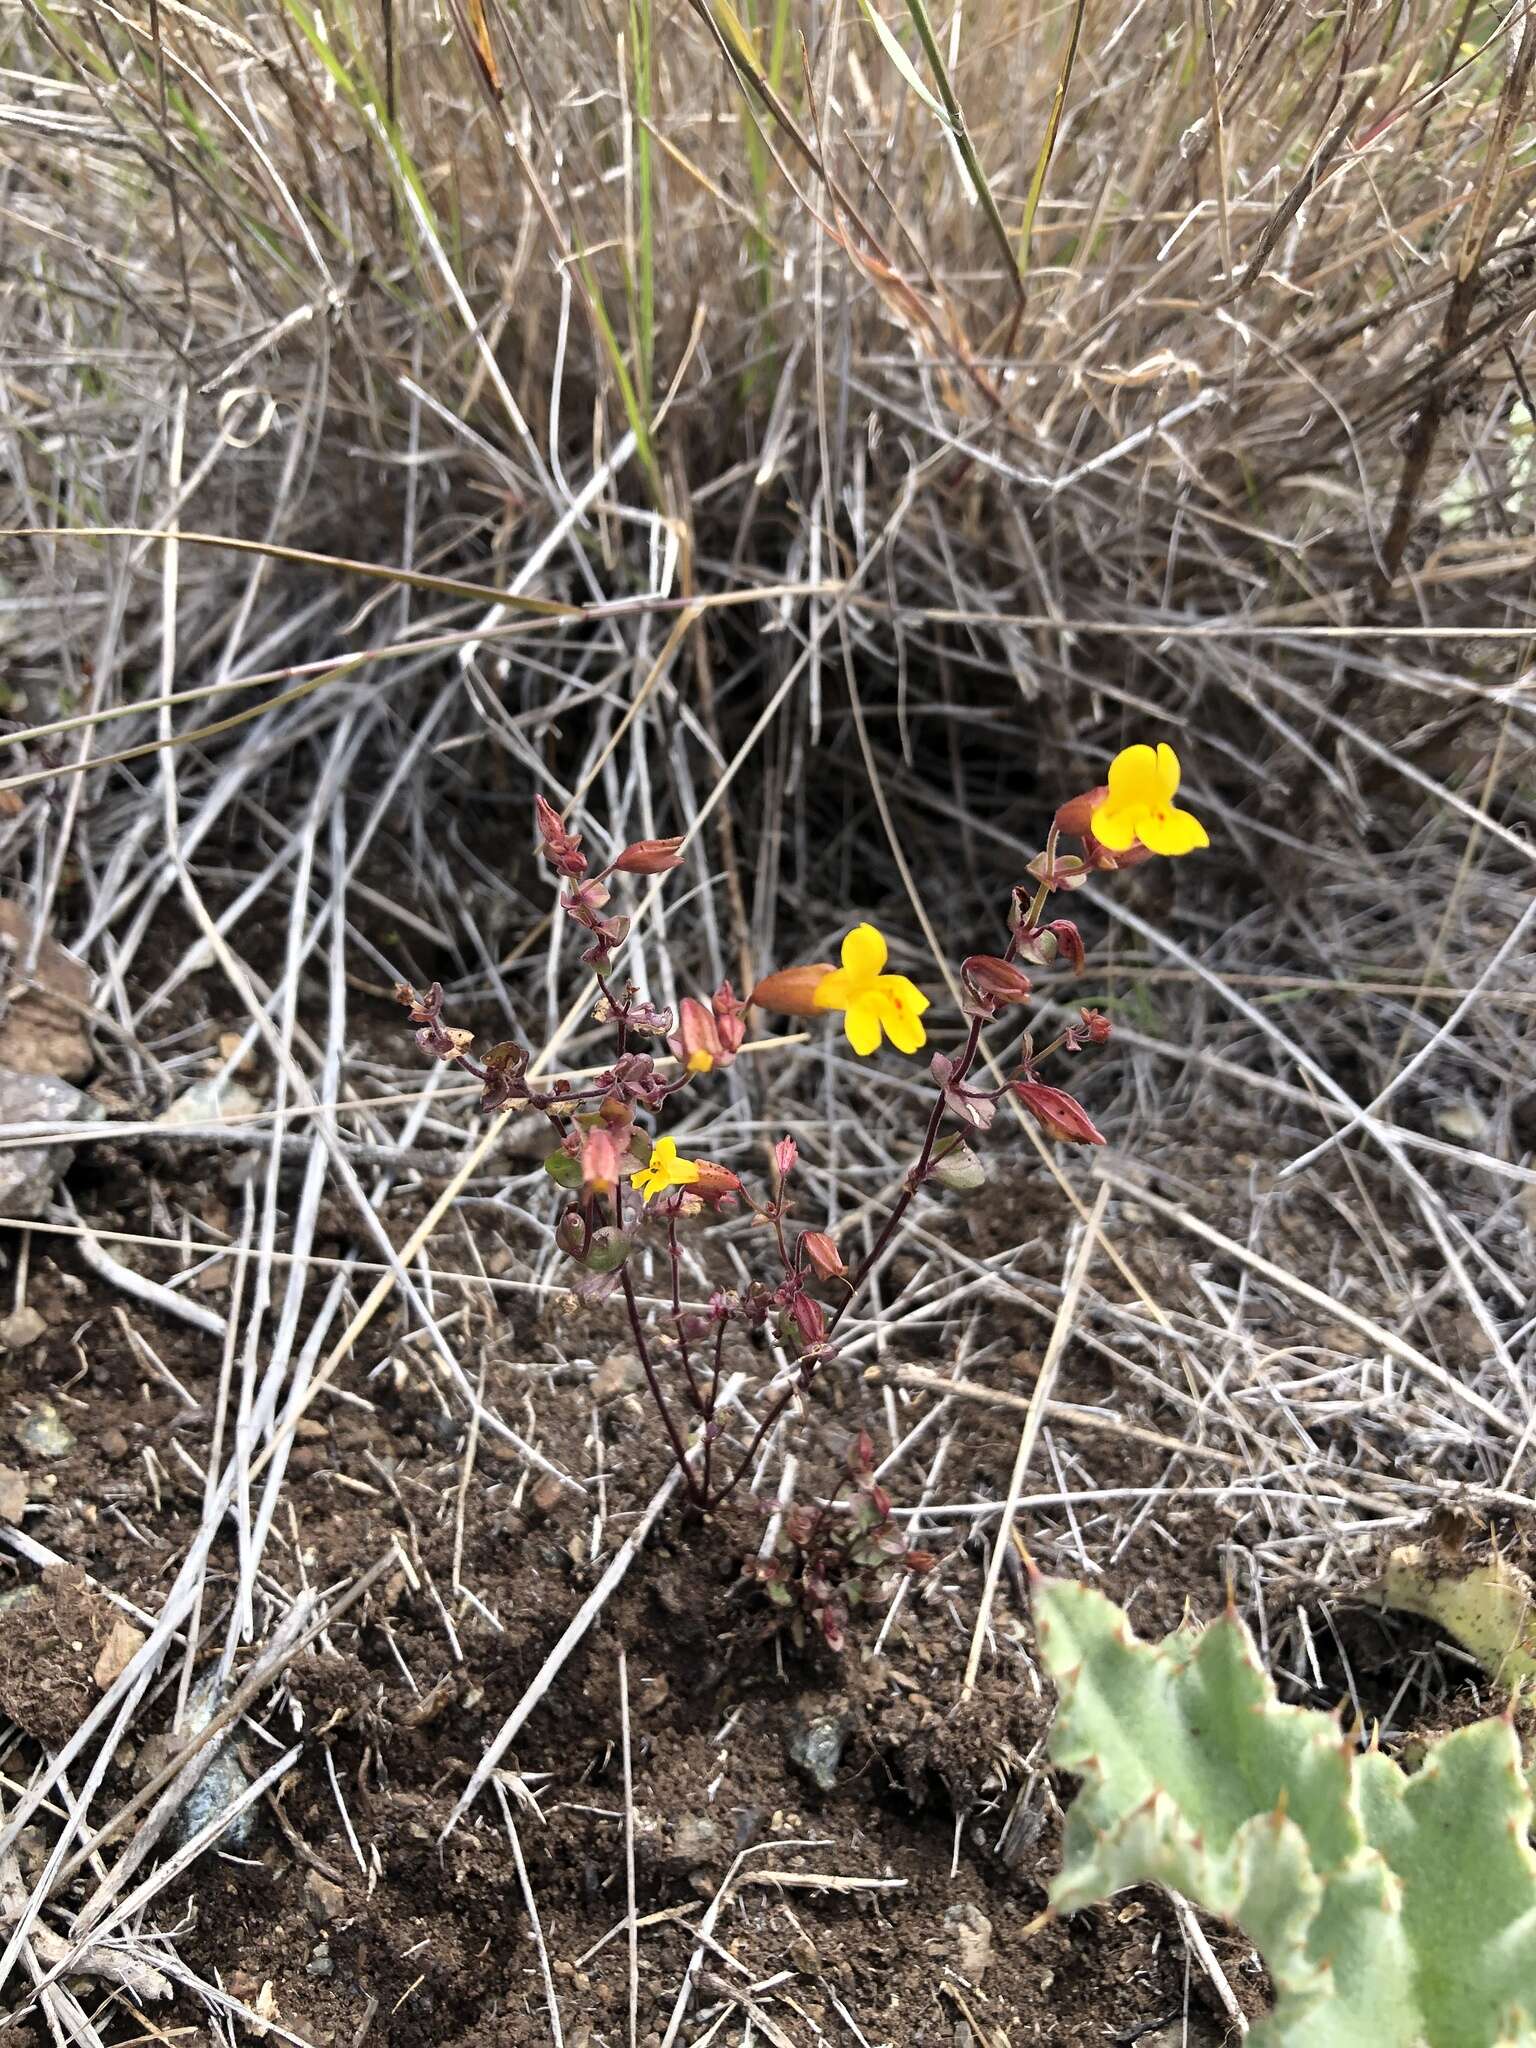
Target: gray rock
(223, 1781)
(28, 1177)
(815, 1747)
(44, 1433)
(210, 1102)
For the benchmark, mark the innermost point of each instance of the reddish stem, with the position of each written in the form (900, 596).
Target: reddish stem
(679, 1448)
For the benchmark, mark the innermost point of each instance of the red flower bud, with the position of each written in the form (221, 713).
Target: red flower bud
(562, 849)
(1075, 818)
(806, 1314)
(1058, 1114)
(1098, 1026)
(730, 1019)
(715, 1184)
(785, 1153)
(649, 857)
(696, 1041)
(600, 1156)
(822, 1255)
(998, 980)
(792, 991)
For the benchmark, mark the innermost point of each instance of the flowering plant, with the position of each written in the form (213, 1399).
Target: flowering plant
(620, 1181)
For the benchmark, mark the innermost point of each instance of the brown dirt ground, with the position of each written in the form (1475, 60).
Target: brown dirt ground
(398, 1937)
(432, 1944)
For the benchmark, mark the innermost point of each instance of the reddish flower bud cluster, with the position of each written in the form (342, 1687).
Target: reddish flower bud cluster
(560, 848)
(439, 1041)
(712, 1037)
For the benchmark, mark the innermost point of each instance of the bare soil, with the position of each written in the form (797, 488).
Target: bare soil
(348, 1915)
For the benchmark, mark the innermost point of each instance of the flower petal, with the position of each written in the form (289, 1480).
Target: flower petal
(682, 1173)
(1134, 778)
(864, 952)
(1167, 768)
(862, 1024)
(903, 1026)
(1114, 825)
(906, 993)
(1171, 831)
(663, 1152)
(837, 989)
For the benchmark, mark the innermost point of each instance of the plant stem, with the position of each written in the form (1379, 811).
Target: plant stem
(679, 1448)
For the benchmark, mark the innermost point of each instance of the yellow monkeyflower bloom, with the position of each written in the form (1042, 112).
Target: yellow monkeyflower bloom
(1140, 805)
(871, 1000)
(665, 1170)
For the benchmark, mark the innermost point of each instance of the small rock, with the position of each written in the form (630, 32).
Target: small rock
(117, 1652)
(696, 1840)
(210, 1102)
(1463, 1121)
(223, 1781)
(968, 1934)
(619, 1372)
(113, 1445)
(803, 1955)
(22, 1327)
(233, 1047)
(325, 1900)
(547, 1495)
(13, 1494)
(815, 1748)
(43, 1030)
(44, 1434)
(319, 1964)
(28, 1177)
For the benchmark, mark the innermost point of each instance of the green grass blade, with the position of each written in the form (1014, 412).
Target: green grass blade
(953, 116)
(1052, 130)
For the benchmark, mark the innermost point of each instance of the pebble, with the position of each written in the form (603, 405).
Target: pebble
(23, 1326)
(969, 1935)
(117, 1652)
(223, 1781)
(13, 1494)
(697, 1839)
(29, 1177)
(44, 1434)
(113, 1445)
(815, 1748)
(325, 1900)
(210, 1102)
(43, 1030)
(619, 1372)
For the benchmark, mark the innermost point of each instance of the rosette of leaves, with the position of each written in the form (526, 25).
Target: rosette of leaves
(1392, 1910)
(829, 1561)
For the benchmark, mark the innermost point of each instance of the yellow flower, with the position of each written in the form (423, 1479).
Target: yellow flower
(870, 1000)
(665, 1170)
(1140, 805)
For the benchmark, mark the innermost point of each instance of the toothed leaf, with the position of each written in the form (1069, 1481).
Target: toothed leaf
(1391, 1910)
